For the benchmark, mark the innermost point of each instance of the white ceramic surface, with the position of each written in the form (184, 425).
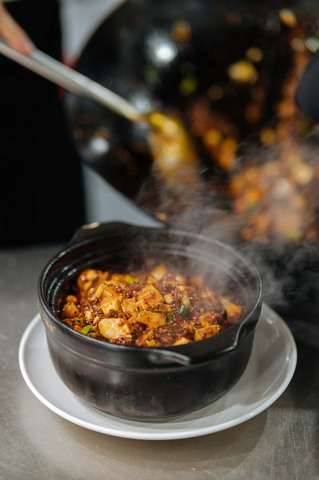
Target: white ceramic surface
(268, 373)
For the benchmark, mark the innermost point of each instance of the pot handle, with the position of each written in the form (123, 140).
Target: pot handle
(160, 357)
(200, 352)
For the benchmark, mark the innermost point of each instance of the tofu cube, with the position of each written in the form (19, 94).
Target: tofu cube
(234, 311)
(149, 295)
(106, 291)
(118, 277)
(147, 340)
(159, 272)
(168, 298)
(206, 332)
(206, 319)
(113, 328)
(179, 278)
(108, 304)
(151, 319)
(129, 305)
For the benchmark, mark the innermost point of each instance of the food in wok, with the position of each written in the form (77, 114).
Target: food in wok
(271, 180)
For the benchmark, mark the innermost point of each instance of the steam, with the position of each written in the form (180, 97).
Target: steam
(283, 244)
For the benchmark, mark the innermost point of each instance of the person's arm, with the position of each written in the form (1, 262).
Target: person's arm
(12, 33)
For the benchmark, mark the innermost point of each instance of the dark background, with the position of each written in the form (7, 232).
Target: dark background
(41, 194)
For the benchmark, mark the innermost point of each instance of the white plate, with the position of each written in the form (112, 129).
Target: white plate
(268, 373)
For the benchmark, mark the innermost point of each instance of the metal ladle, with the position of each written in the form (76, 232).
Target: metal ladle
(173, 154)
(73, 81)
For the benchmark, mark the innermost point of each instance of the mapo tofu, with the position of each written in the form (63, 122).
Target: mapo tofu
(149, 309)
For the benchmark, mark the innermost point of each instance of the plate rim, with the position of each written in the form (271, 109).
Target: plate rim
(163, 435)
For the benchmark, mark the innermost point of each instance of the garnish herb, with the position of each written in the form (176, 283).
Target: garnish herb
(169, 318)
(184, 311)
(85, 330)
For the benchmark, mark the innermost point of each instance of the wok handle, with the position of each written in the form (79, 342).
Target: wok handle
(73, 81)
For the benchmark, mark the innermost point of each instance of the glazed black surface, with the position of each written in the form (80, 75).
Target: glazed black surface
(150, 383)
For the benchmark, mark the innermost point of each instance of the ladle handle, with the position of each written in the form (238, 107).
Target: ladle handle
(71, 80)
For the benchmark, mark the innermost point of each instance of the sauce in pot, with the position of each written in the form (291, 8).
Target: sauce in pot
(150, 309)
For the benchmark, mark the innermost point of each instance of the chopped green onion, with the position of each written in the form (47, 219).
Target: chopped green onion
(169, 318)
(78, 320)
(184, 311)
(130, 279)
(85, 330)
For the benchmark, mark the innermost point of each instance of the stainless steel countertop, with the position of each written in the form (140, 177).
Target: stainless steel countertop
(281, 443)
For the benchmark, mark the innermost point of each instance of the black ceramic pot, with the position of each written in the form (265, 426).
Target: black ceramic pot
(149, 383)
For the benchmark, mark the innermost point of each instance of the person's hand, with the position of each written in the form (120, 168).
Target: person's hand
(13, 34)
